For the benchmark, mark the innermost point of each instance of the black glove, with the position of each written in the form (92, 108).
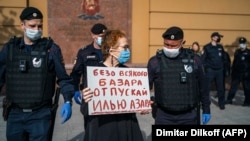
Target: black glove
(154, 107)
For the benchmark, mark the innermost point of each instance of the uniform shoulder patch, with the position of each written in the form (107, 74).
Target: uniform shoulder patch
(84, 47)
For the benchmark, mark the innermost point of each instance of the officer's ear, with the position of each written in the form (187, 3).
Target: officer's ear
(22, 25)
(93, 36)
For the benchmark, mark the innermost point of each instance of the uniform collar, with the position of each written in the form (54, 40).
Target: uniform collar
(22, 45)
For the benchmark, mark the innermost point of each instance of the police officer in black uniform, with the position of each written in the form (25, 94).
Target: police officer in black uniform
(87, 56)
(213, 61)
(29, 66)
(176, 75)
(240, 72)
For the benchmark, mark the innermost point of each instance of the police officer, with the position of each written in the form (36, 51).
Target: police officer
(175, 74)
(240, 72)
(87, 56)
(30, 65)
(213, 61)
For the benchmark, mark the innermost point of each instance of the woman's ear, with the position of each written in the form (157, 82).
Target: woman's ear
(110, 50)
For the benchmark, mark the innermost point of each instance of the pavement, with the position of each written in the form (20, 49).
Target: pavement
(72, 130)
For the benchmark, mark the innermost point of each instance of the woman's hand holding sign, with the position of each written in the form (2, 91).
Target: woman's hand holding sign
(87, 94)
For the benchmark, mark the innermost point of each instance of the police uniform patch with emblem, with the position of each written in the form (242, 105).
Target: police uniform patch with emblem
(243, 58)
(37, 62)
(34, 14)
(172, 37)
(188, 68)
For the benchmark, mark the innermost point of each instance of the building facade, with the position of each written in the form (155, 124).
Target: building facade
(144, 21)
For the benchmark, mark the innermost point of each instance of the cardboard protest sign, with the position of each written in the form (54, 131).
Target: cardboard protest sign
(118, 90)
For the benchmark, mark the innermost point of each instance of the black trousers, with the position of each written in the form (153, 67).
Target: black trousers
(234, 86)
(187, 118)
(218, 77)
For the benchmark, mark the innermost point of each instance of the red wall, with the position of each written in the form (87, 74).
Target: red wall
(71, 32)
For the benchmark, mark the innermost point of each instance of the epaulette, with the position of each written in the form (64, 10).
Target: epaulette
(12, 43)
(159, 52)
(84, 47)
(47, 41)
(15, 40)
(189, 52)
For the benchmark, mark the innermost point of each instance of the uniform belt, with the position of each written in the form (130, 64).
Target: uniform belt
(26, 110)
(214, 69)
(175, 112)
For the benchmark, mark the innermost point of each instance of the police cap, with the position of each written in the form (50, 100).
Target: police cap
(173, 33)
(30, 13)
(216, 34)
(242, 40)
(98, 28)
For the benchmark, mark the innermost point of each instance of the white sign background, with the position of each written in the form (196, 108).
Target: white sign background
(118, 90)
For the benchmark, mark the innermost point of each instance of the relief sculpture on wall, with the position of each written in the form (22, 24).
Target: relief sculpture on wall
(90, 9)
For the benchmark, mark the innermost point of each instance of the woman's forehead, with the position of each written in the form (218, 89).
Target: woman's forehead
(122, 40)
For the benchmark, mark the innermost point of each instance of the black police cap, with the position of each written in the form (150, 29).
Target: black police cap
(30, 13)
(173, 33)
(216, 34)
(98, 28)
(242, 40)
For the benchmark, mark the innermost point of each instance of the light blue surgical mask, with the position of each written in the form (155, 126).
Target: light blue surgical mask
(33, 34)
(99, 41)
(124, 56)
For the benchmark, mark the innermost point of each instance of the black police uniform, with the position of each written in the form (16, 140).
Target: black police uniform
(30, 73)
(240, 73)
(165, 116)
(86, 56)
(213, 61)
(55, 67)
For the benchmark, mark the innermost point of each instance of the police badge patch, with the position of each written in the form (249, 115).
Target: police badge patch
(37, 62)
(172, 37)
(188, 68)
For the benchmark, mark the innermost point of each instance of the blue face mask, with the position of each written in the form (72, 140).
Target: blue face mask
(99, 41)
(124, 56)
(33, 34)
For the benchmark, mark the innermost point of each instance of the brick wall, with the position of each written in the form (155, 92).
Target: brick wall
(69, 26)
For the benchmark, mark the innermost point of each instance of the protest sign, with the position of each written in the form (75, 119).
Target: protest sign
(118, 90)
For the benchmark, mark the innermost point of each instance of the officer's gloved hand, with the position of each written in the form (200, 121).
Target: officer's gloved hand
(66, 112)
(153, 106)
(206, 118)
(78, 97)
